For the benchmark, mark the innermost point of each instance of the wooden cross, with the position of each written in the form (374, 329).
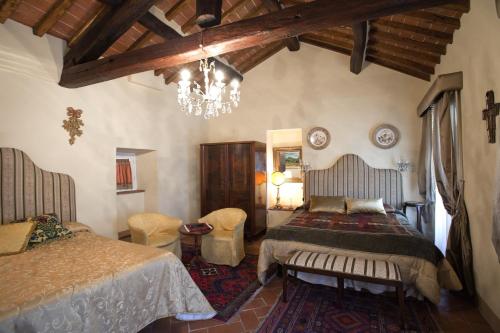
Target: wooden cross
(489, 114)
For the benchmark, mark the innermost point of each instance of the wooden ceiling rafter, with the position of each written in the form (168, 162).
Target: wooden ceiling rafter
(418, 33)
(175, 9)
(360, 36)
(50, 18)
(261, 56)
(7, 7)
(238, 35)
(99, 15)
(292, 43)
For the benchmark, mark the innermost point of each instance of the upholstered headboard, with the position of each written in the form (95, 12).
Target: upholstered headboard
(26, 190)
(351, 176)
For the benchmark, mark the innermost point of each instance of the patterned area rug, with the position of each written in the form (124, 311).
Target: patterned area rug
(313, 308)
(226, 288)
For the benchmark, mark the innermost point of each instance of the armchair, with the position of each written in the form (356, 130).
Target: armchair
(156, 230)
(224, 245)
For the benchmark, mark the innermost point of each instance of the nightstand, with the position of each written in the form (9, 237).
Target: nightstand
(278, 216)
(418, 205)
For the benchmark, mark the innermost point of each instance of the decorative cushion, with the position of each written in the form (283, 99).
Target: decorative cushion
(375, 206)
(48, 227)
(327, 204)
(14, 237)
(389, 209)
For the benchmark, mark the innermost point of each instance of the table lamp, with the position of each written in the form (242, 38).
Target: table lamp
(278, 179)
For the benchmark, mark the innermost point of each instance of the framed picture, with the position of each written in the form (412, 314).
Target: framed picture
(318, 138)
(385, 136)
(288, 160)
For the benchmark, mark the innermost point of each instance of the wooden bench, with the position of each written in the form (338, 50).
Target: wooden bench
(345, 267)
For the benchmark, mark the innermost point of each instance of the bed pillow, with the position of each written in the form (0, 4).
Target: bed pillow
(14, 237)
(373, 206)
(327, 204)
(48, 228)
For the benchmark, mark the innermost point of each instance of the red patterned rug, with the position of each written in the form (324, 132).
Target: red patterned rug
(226, 288)
(313, 308)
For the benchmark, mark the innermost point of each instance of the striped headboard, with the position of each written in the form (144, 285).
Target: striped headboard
(26, 190)
(350, 176)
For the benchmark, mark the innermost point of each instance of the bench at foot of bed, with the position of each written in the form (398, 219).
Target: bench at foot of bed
(346, 267)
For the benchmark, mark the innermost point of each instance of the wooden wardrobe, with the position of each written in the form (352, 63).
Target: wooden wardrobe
(233, 174)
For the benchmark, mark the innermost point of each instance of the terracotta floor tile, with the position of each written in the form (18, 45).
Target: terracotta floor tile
(262, 311)
(228, 328)
(249, 319)
(194, 325)
(255, 303)
(270, 296)
(235, 318)
(203, 330)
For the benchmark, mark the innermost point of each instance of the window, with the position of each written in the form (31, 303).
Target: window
(126, 172)
(442, 222)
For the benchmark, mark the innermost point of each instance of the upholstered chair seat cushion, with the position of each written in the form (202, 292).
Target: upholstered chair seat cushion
(158, 230)
(14, 237)
(224, 245)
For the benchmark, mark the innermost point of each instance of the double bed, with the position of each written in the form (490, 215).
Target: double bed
(86, 283)
(371, 236)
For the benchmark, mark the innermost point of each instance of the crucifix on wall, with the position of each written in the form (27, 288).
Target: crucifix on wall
(490, 114)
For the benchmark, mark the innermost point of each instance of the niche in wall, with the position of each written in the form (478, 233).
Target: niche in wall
(291, 192)
(137, 192)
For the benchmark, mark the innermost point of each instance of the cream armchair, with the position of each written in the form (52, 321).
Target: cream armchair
(224, 245)
(156, 230)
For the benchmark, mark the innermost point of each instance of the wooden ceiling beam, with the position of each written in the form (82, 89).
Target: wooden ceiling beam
(292, 43)
(102, 33)
(261, 56)
(361, 35)
(343, 48)
(141, 41)
(399, 68)
(157, 26)
(421, 57)
(444, 22)
(381, 54)
(51, 16)
(102, 12)
(172, 12)
(393, 39)
(420, 34)
(267, 28)
(7, 8)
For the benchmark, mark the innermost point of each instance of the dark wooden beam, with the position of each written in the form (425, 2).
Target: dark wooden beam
(397, 67)
(292, 43)
(141, 41)
(157, 26)
(7, 7)
(175, 9)
(443, 22)
(261, 56)
(102, 12)
(411, 54)
(104, 32)
(408, 43)
(208, 13)
(263, 29)
(360, 32)
(344, 48)
(420, 34)
(51, 16)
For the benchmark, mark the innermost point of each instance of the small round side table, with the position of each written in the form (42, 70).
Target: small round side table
(197, 243)
(418, 205)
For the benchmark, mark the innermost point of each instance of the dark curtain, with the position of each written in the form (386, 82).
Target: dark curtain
(123, 174)
(445, 147)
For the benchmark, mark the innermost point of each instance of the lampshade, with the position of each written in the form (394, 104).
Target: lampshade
(278, 178)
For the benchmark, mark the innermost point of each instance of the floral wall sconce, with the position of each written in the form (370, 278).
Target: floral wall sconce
(73, 124)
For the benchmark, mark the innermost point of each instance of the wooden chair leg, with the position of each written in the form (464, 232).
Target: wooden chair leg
(340, 289)
(285, 278)
(402, 310)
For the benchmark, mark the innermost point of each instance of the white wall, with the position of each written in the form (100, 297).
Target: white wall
(313, 87)
(116, 114)
(476, 52)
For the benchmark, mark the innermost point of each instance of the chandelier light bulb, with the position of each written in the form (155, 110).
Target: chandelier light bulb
(235, 84)
(185, 75)
(219, 75)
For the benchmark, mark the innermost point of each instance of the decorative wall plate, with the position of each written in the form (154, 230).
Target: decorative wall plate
(385, 136)
(318, 138)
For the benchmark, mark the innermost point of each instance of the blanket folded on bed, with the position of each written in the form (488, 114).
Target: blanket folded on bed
(387, 234)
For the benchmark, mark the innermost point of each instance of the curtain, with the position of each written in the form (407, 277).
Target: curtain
(496, 208)
(426, 175)
(445, 153)
(123, 174)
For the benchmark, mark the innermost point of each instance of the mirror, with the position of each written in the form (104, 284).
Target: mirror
(288, 160)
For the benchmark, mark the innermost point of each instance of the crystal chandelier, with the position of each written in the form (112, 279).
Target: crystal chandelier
(209, 100)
